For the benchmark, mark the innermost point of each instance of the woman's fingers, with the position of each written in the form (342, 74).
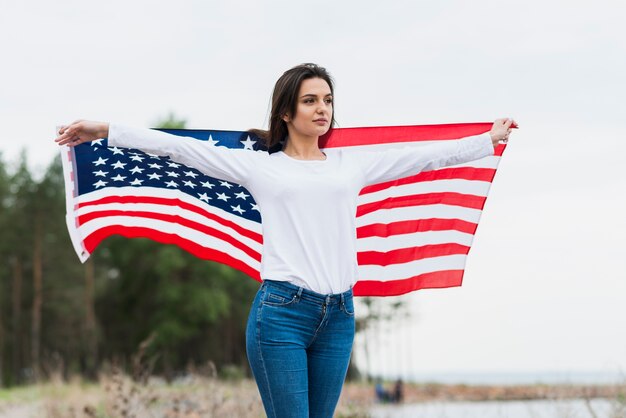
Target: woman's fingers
(68, 136)
(81, 131)
(501, 129)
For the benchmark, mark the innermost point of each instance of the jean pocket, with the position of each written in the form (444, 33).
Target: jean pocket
(348, 306)
(275, 297)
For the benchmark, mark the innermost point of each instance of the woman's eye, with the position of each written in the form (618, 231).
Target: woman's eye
(329, 101)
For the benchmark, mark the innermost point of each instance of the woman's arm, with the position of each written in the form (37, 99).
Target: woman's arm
(224, 163)
(406, 161)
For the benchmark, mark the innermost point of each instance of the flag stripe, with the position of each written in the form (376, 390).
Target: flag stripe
(465, 187)
(161, 210)
(438, 279)
(456, 173)
(419, 225)
(347, 137)
(192, 247)
(207, 241)
(172, 219)
(404, 255)
(411, 268)
(417, 239)
(176, 203)
(453, 199)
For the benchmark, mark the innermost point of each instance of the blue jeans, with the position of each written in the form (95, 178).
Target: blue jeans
(298, 344)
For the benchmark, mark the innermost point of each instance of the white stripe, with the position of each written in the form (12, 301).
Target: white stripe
(413, 268)
(168, 194)
(70, 201)
(490, 161)
(411, 213)
(192, 235)
(416, 239)
(173, 211)
(472, 187)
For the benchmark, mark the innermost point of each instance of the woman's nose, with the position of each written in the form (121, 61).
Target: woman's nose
(322, 107)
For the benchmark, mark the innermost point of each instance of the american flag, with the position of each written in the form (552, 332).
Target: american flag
(412, 233)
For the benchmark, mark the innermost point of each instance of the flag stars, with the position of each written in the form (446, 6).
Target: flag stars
(203, 197)
(172, 174)
(255, 207)
(238, 209)
(155, 166)
(100, 161)
(171, 184)
(248, 143)
(116, 151)
(191, 174)
(100, 173)
(97, 142)
(136, 170)
(99, 183)
(212, 141)
(207, 184)
(226, 184)
(241, 195)
(136, 182)
(222, 196)
(118, 165)
(173, 165)
(188, 183)
(137, 158)
(154, 176)
(118, 178)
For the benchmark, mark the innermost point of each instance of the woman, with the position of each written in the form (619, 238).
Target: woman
(301, 326)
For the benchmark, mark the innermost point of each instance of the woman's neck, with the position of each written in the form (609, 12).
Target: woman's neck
(303, 149)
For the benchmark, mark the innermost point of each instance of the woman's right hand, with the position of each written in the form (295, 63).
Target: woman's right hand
(82, 131)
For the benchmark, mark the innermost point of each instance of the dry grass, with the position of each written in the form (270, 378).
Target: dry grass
(117, 395)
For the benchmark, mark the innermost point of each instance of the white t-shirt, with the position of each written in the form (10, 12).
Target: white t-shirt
(308, 207)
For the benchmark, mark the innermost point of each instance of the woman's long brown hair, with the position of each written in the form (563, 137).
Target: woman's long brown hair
(285, 102)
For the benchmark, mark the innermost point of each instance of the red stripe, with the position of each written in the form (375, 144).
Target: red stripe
(180, 203)
(375, 135)
(460, 173)
(405, 255)
(445, 198)
(175, 219)
(92, 241)
(438, 279)
(420, 225)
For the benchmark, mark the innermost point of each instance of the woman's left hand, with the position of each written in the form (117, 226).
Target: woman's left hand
(501, 130)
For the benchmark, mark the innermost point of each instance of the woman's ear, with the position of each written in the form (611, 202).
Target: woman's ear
(286, 118)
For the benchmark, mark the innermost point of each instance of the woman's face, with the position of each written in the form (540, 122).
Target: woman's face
(314, 110)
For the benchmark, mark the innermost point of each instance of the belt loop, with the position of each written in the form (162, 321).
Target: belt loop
(343, 300)
(299, 295)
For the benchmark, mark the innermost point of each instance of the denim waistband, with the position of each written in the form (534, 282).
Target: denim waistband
(309, 294)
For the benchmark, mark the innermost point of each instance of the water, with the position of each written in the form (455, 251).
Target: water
(575, 408)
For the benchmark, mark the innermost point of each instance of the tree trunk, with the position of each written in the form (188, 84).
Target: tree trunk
(1, 345)
(90, 320)
(17, 312)
(37, 300)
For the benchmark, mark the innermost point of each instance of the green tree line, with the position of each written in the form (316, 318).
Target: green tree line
(57, 314)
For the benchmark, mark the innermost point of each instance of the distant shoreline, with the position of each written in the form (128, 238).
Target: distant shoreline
(518, 378)
(425, 392)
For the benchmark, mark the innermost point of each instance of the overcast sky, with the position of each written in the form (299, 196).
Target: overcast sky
(545, 285)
